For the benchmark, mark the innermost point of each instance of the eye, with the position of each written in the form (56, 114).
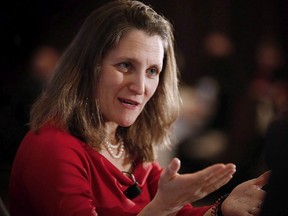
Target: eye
(124, 66)
(152, 72)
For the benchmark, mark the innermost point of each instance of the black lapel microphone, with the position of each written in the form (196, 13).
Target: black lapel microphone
(132, 191)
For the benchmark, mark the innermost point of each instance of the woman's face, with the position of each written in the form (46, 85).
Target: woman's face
(129, 76)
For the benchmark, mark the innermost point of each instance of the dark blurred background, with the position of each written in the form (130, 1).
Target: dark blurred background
(232, 55)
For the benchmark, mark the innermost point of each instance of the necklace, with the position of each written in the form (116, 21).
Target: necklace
(119, 148)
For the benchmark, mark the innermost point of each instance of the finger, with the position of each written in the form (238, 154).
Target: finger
(263, 179)
(174, 166)
(221, 178)
(171, 170)
(215, 176)
(215, 170)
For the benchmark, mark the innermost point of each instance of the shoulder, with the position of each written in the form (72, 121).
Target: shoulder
(48, 153)
(50, 146)
(50, 138)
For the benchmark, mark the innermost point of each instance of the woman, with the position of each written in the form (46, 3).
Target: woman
(95, 129)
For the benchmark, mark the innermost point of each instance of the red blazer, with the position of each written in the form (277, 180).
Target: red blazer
(56, 174)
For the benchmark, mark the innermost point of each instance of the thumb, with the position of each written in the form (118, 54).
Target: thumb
(263, 179)
(174, 166)
(171, 170)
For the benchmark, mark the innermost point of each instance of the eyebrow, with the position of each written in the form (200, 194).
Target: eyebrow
(125, 58)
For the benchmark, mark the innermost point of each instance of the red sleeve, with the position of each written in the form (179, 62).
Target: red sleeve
(53, 169)
(189, 210)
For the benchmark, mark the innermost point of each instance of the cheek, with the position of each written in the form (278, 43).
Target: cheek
(151, 89)
(107, 86)
(103, 91)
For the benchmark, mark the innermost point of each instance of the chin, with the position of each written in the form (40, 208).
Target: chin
(126, 123)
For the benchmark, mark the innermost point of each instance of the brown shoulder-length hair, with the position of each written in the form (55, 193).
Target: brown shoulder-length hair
(69, 101)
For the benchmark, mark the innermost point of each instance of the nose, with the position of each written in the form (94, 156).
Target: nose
(137, 83)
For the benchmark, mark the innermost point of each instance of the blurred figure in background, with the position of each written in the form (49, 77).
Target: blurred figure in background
(39, 69)
(219, 64)
(267, 86)
(276, 150)
(42, 64)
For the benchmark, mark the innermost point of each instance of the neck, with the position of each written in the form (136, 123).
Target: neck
(110, 128)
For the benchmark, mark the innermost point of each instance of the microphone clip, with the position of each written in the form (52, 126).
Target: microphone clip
(132, 191)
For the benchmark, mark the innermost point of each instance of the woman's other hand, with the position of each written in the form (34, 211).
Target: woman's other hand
(246, 198)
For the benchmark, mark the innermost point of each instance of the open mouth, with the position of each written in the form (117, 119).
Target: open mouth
(128, 102)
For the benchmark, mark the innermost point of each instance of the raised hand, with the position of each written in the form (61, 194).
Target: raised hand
(176, 190)
(246, 198)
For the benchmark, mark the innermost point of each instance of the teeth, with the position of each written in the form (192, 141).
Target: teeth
(127, 102)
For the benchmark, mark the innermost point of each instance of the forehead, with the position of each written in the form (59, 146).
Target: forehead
(139, 45)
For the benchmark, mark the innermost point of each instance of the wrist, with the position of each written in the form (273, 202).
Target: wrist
(216, 209)
(157, 208)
